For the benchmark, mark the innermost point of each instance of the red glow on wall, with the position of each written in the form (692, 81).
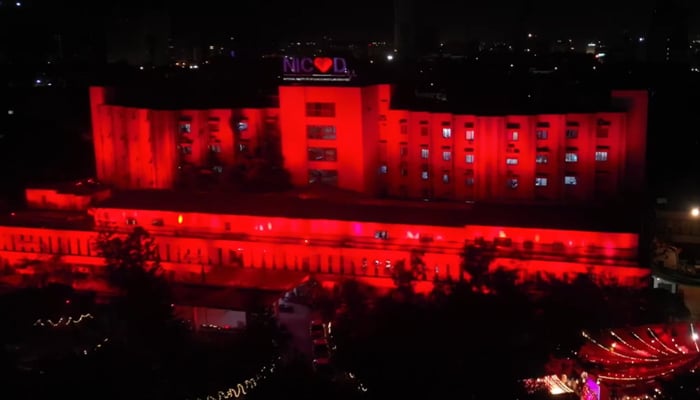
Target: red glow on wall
(351, 138)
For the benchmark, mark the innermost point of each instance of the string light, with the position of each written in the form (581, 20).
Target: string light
(242, 388)
(63, 321)
(96, 347)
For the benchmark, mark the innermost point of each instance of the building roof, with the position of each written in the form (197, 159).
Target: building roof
(83, 187)
(350, 207)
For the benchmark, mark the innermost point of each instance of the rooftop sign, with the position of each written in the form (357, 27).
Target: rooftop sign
(316, 69)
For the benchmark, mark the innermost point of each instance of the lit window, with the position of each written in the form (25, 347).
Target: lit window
(571, 133)
(601, 156)
(540, 181)
(469, 158)
(424, 175)
(215, 148)
(570, 180)
(469, 181)
(571, 157)
(242, 126)
(446, 155)
(513, 183)
(383, 169)
(541, 134)
(447, 133)
(511, 161)
(541, 159)
(424, 153)
(445, 177)
(185, 127)
(514, 136)
(384, 235)
(469, 134)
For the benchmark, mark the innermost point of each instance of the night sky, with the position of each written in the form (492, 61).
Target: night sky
(363, 19)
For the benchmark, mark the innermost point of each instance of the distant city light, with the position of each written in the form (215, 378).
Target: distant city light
(10, 112)
(389, 57)
(695, 336)
(695, 212)
(529, 35)
(18, 4)
(641, 39)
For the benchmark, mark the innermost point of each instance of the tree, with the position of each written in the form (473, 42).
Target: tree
(133, 269)
(476, 260)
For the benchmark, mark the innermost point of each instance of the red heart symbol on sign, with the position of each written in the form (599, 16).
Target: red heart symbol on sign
(323, 64)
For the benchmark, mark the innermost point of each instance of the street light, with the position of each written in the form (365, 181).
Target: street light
(695, 212)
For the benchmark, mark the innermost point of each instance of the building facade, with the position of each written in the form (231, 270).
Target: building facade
(351, 138)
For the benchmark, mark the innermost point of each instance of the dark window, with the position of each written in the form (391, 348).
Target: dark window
(323, 176)
(571, 133)
(320, 109)
(322, 154)
(320, 132)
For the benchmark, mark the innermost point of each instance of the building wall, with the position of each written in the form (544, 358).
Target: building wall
(350, 138)
(157, 149)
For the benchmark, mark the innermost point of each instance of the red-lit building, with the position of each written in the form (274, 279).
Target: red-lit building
(352, 138)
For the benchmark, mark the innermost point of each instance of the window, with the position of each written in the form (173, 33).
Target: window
(131, 221)
(571, 157)
(322, 154)
(403, 129)
(469, 158)
(185, 149)
(323, 176)
(404, 171)
(446, 133)
(541, 134)
(512, 183)
(424, 152)
(511, 161)
(384, 235)
(570, 180)
(469, 181)
(320, 132)
(446, 155)
(242, 126)
(469, 134)
(320, 109)
(158, 222)
(513, 136)
(383, 169)
(403, 151)
(571, 133)
(541, 181)
(602, 132)
(601, 155)
(227, 226)
(541, 158)
(185, 127)
(424, 175)
(215, 148)
(218, 169)
(445, 177)
(424, 131)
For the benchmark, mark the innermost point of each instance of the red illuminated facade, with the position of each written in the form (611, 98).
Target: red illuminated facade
(351, 137)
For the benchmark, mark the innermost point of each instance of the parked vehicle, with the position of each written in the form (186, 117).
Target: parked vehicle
(317, 329)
